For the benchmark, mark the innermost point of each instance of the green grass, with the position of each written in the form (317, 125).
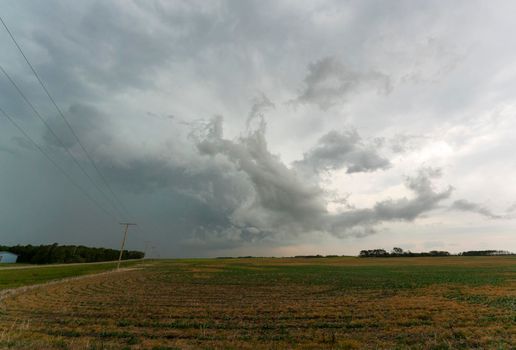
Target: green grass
(506, 302)
(377, 276)
(12, 278)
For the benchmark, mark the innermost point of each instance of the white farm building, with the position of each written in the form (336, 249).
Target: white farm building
(8, 258)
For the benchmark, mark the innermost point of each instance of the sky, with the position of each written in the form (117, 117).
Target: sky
(271, 128)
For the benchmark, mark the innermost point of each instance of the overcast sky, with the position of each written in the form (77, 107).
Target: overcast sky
(261, 127)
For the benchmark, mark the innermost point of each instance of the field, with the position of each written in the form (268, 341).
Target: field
(331, 303)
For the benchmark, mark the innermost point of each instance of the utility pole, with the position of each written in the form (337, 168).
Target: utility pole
(145, 251)
(127, 224)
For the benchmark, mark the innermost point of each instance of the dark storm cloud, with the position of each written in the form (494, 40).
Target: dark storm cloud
(15, 145)
(126, 57)
(22, 142)
(100, 47)
(336, 150)
(8, 150)
(330, 82)
(92, 128)
(465, 205)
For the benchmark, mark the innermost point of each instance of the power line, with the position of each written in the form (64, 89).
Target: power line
(49, 128)
(47, 156)
(116, 203)
(101, 176)
(116, 200)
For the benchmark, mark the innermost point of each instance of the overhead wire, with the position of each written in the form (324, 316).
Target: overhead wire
(62, 170)
(56, 165)
(115, 200)
(52, 132)
(69, 126)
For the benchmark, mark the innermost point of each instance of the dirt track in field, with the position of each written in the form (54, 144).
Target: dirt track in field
(4, 293)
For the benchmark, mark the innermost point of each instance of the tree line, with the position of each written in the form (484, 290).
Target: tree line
(486, 253)
(55, 254)
(398, 252)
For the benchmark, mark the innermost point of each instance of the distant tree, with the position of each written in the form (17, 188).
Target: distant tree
(486, 253)
(49, 254)
(374, 253)
(397, 251)
(380, 252)
(438, 253)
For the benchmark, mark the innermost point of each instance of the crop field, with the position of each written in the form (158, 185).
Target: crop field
(328, 303)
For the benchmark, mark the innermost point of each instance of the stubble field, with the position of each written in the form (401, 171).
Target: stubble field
(331, 303)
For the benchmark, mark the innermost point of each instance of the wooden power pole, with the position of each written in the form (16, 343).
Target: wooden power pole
(146, 248)
(127, 224)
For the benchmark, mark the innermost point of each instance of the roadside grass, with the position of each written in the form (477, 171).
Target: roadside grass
(12, 278)
(16, 265)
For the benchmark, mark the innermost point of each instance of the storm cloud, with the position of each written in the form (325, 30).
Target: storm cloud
(329, 82)
(336, 150)
(425, 199)
(465, 205)
(261, 127)
(283, 201)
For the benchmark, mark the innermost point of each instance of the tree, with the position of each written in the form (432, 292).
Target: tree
(50, 254)
(397, 251)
